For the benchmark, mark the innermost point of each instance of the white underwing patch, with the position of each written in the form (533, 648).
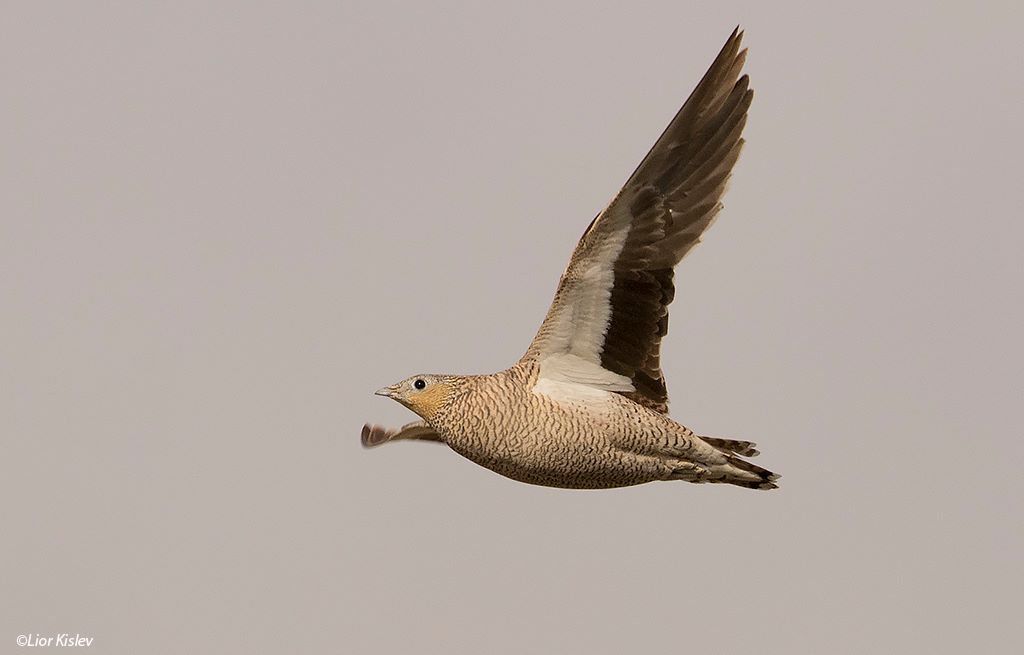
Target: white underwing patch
(571, 392)
(581, 322)
(576, 370)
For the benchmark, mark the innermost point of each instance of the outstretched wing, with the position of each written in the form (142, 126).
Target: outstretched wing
(375, 435)
(610, 311)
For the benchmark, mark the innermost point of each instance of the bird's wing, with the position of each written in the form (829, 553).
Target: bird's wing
(610, 311)
(375, 435)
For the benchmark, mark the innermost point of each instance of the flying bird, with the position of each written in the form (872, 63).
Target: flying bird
(586, 407)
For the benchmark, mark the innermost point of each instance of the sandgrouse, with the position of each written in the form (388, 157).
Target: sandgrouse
(586, 406)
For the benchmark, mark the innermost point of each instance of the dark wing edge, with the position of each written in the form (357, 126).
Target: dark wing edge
(668, 202)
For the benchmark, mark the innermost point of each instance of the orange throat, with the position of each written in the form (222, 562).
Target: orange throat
(429, 402)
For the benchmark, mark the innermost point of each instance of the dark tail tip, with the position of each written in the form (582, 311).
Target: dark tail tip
(766, 480)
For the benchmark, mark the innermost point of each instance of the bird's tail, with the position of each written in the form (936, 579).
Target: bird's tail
(751, 476)
(738, 471)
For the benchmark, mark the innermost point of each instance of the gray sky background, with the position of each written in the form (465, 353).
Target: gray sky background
(223, 225)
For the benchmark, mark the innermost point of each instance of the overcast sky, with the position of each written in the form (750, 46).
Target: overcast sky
(223, 225)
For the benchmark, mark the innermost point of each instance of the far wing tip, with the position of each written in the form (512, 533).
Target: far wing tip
(373, 435)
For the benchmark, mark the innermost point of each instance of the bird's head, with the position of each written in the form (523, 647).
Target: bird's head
(424, 394)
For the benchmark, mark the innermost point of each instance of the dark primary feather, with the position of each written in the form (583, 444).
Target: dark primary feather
(667, 203)
(375, 435)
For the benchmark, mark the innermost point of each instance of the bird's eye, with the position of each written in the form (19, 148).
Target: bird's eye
(419, 384)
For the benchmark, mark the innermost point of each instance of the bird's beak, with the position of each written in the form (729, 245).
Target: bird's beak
(387, 392)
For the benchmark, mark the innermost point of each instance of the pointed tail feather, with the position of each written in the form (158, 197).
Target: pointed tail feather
(750, 475)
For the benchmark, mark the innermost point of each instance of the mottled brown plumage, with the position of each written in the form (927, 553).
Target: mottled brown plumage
(586, 406)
